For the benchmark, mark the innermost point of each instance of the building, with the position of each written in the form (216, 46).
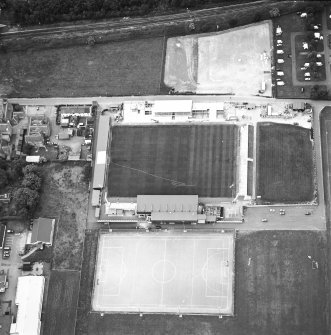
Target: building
(2, 235)
(298, 106)
(158, 110)
(42, 231)
(169, 208)
(76, 110)
(38, 129)
(5, 198)
(3, 281)
(119, 212)
(29, 300)
(6, 130)
(101, 161)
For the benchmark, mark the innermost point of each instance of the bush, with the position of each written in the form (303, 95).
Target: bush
(26, 201)
(28, 148)
(32, 168)
(32, 181)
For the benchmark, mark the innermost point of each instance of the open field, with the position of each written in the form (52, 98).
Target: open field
(277, 292)
(62, 301)
(65, 196)
(205, 64)
(119, 68)
(167, 159)
(285, 164)
(189, 273)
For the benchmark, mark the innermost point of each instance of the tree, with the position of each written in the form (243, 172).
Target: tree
(274, 12)
(32, 181)
(32, 168)
(28, 148)
(3, 178)
(26, 201)
(16, 168)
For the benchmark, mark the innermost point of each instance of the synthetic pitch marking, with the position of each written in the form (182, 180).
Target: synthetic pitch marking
(159, 279)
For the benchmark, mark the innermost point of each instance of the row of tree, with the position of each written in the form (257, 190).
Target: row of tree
(49, 11)
(26, 197)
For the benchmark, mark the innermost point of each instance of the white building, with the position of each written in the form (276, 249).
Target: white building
(29, 300)
(158, 110)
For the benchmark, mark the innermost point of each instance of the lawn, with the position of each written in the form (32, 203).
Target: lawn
(250, 142)
(277, 292)
(119, 68)
(167, 159)
(61, 303)
(285, 163)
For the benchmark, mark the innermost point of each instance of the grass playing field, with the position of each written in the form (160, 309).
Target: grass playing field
(167, 159)
(62, 302)
(285, 163)
(118, 68)
(277, 292)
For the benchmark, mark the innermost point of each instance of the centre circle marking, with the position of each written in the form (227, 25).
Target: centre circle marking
(163, 271)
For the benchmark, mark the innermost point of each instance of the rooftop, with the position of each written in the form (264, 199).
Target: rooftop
(29, 297)
(42, 230)
(167, 203)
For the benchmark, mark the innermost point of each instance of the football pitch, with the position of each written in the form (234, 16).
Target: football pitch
(285, 163)
(173, 159)
(165, 272)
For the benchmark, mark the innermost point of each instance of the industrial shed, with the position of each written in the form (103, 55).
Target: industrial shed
(29, 300)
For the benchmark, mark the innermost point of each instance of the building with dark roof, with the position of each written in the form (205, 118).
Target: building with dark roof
(169, 208)
(42, 231)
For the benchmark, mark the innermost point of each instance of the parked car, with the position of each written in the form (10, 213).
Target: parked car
(264, 220)
(10, 231)
(307, 78)
(6, 254)
(7, 248)
(308, 213)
